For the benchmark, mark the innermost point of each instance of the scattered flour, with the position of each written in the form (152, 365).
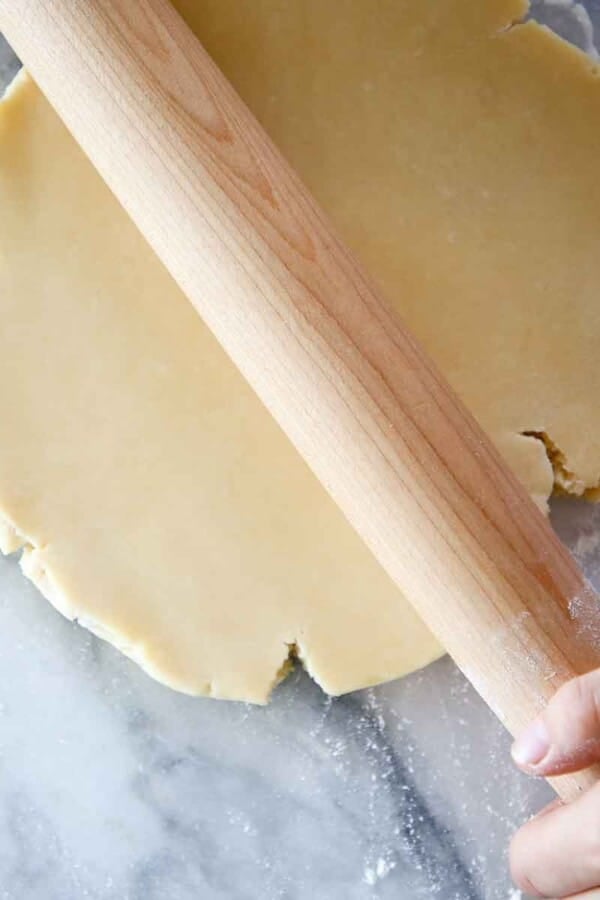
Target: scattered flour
(583, 609)
(587, 545)
(381, 870)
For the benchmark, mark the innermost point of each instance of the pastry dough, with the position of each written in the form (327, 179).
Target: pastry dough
(156, 500)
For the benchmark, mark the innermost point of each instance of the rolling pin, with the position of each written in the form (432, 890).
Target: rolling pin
(369, 412)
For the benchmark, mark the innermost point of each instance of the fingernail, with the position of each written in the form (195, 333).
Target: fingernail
(532, 746)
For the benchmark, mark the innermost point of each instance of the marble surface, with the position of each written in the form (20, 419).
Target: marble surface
(115, 788)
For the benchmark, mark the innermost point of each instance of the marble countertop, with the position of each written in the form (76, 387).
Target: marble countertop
(115, 788)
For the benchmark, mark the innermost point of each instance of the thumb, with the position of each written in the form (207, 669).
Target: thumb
(566, 736)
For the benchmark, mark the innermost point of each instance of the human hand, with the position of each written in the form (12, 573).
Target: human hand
(557, 853)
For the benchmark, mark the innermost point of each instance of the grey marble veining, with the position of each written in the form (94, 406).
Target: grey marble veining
(115, 788)
(112, 786)
(9, 64)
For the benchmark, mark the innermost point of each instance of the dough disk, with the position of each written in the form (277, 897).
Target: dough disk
(155, 499)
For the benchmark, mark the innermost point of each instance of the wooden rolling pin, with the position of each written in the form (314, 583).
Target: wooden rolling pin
(372, 416)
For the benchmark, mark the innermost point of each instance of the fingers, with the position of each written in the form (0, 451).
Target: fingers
(557, 854)
(566, 736)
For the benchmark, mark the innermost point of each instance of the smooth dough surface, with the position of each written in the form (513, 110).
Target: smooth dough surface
(156, 500)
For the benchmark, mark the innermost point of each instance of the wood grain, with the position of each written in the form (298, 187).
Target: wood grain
(366, 408)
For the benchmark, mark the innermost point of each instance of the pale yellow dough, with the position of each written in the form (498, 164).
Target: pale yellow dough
(157, 501)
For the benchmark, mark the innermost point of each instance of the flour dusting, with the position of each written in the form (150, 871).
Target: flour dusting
(583, 609)
(382, 869)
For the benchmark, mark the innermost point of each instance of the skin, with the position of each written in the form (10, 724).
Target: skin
(557, 853)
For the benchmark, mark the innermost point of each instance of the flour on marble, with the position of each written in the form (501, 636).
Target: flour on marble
(586, 549)
(381, 870)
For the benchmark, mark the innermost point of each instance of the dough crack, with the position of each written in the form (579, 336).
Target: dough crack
(566, 480)
(288, 664)
(517, 22)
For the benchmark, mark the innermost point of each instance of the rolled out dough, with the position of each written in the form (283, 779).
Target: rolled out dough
(156, 500)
